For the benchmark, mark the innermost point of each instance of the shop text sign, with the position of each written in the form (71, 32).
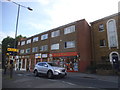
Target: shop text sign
(12, 49)
(64, 54)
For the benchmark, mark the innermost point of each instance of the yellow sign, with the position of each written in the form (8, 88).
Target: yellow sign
(7, 53)
(12, 49)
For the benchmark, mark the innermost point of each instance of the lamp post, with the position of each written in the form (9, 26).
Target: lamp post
(19, 5)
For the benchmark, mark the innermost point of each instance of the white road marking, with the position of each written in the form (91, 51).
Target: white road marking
(68, 83)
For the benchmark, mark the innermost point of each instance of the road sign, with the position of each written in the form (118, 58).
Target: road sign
(12, 49)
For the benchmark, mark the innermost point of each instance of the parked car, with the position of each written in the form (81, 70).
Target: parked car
(50, 69)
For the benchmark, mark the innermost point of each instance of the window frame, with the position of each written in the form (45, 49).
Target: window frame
(102, 43)
(28, 41)
(55, 33)
(22, 43)
(36, 49)
(53, 45)
(44, 36)
(69, 29)
(44, 48)
(67, 43)
(101, 29)
(35, 39)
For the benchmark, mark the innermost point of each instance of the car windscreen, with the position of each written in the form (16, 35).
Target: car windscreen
(52, 64)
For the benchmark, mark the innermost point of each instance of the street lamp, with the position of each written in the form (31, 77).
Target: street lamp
(19, 5)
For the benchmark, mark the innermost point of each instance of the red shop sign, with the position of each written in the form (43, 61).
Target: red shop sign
(64, 54)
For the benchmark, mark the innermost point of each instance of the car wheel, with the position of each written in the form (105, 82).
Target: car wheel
(36, 73)
(50, 74)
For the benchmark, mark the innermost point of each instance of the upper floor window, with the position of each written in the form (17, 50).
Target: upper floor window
(28, 41)
(28, 50)
(112, 33)
(70, 44)
(69, 29)
(55, 46)
(18, 43)
(102, 43)
(35, 39)
(34, 49)
(44, 48)
(22, 43)
(45, 36)
(22, 51)
(101, 27)
(55, 33)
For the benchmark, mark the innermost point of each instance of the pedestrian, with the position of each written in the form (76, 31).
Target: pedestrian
(5, 67)
(19, 65)
(11, 68)
(27, 68)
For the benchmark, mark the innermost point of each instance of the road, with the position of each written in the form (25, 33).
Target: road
(73, 80)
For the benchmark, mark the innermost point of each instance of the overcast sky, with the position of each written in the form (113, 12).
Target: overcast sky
(49, 14)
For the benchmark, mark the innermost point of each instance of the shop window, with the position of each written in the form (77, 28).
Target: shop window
(69, 29)
(102, 43)
(101, 27)
(70, 63)
(55, 33)
(55, 46)
(70, 44)
(45, 36)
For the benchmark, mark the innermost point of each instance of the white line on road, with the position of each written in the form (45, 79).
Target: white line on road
(63, 82)
(68, 83)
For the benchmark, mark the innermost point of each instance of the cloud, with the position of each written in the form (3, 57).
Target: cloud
(5, 34)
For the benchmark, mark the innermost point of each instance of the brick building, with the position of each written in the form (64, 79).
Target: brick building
(106, 39)
(68, 45)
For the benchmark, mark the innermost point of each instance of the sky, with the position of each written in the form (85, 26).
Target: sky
(49, 14)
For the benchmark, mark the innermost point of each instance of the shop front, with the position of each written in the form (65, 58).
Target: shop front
(23, 63)
(69, 60)
(41, 57)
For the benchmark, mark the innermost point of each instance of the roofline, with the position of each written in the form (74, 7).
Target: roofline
(105, 18)
(54, 29)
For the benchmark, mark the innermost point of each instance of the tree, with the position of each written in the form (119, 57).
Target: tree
(8, 42)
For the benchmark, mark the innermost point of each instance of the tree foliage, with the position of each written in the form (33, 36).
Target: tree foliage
(8, 42)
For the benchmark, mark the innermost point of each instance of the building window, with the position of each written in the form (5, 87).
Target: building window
(55, 46)
(69, 29)
(45, 36)
(34, 49)
(55, 33)
(22, 43)
(28, 41)
(28, 50)
(35, 39)
(44, 48)
(70, 44)
(112, 33)
(101, 27)
(18, 43)
(22, 51)
(102, 43)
